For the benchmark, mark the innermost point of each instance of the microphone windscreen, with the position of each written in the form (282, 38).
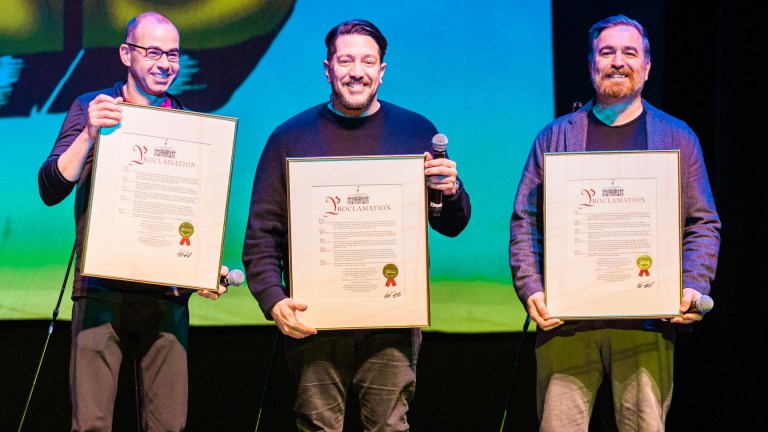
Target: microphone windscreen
(703, 304)
(235, 277)
(439, 142)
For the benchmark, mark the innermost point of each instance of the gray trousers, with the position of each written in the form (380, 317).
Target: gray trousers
(380, 364)
(570, 369)
(152, 330)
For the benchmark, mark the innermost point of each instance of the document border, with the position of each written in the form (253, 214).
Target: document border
(652, 292)
(211, 173)
(312, 285)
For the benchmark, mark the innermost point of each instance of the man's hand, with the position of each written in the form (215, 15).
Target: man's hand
(103, 111)
(213, 295)
(284, 314)
(539, 312)
(689, 295)
(441, 174)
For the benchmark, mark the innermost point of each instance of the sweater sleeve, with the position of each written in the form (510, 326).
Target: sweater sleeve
(54, 188)
(701, 222)
(52, 185)
(455, 215)
(526, 241)
(265, 246)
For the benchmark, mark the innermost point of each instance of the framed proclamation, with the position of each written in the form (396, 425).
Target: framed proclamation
(612, 234)
(358, 241)
(159, 196)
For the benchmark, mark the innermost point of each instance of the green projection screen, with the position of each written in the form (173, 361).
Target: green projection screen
(481, 71)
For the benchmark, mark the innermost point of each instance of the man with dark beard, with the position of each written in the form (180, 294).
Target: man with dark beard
(380, 363)
(573, 357)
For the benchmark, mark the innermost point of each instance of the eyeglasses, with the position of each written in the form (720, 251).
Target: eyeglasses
(155, 53)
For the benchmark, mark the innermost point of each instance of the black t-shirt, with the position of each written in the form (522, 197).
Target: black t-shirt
(629, 136)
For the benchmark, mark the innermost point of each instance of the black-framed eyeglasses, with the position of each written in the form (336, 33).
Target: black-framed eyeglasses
(155, 53)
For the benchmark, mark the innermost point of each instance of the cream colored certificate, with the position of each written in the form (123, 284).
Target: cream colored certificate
(612, 234)
(159, 197)
(358, 241)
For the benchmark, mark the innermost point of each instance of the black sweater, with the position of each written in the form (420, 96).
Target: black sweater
(319, 132)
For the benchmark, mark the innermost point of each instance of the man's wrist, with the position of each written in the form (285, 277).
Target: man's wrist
(456, 188)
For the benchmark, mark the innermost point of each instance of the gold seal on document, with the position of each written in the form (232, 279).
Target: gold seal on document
(186, 230)
(644, 262)
(390, 272)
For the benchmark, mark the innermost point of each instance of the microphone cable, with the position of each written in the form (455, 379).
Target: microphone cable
(574, 107)
(48, 337)
(514, 370)
(266, 378)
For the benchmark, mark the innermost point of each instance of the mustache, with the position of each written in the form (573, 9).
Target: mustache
(607, 72)
(357, 81)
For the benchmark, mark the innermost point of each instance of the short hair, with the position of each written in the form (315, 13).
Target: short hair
(613, 21)
(355, 26)
(133, 24)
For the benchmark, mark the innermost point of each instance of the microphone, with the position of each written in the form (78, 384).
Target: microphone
(701, 305)
(439, 143)
(233, 278)
(576, 106)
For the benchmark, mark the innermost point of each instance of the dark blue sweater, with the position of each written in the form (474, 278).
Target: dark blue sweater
(319, 132)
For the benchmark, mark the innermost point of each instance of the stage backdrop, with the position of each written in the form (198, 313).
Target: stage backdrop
(481, 71)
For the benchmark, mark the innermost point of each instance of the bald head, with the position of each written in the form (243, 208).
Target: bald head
(147, 17)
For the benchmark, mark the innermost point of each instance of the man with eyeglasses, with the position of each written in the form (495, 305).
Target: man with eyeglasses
(113, 317)
(155, 53)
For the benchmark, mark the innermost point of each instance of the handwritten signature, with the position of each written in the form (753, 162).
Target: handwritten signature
(393, 294)
(184, 254)
(645, 284)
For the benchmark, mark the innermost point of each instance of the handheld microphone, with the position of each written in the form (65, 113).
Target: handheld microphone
(439, 143)
(701, 305)
(233, 278)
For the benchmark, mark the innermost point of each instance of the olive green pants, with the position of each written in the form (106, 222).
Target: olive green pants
(571, 368)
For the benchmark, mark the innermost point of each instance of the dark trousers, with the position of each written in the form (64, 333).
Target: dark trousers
(104, 330)
(381, 364)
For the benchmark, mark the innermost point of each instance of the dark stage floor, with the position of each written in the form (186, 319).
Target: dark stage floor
(463, 383)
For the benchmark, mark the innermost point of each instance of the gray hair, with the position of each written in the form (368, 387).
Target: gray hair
(613, 21)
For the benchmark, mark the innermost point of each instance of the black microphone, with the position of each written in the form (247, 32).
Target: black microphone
(576, 106)
(439, 143)
(701, 305)
(233, 278)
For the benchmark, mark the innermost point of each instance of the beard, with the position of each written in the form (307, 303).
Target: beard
(352, 105)
(617, 89)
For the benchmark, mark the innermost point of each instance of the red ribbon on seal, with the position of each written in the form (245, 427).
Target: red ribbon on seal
(644, 272)
(390, 281)
(184, 240)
